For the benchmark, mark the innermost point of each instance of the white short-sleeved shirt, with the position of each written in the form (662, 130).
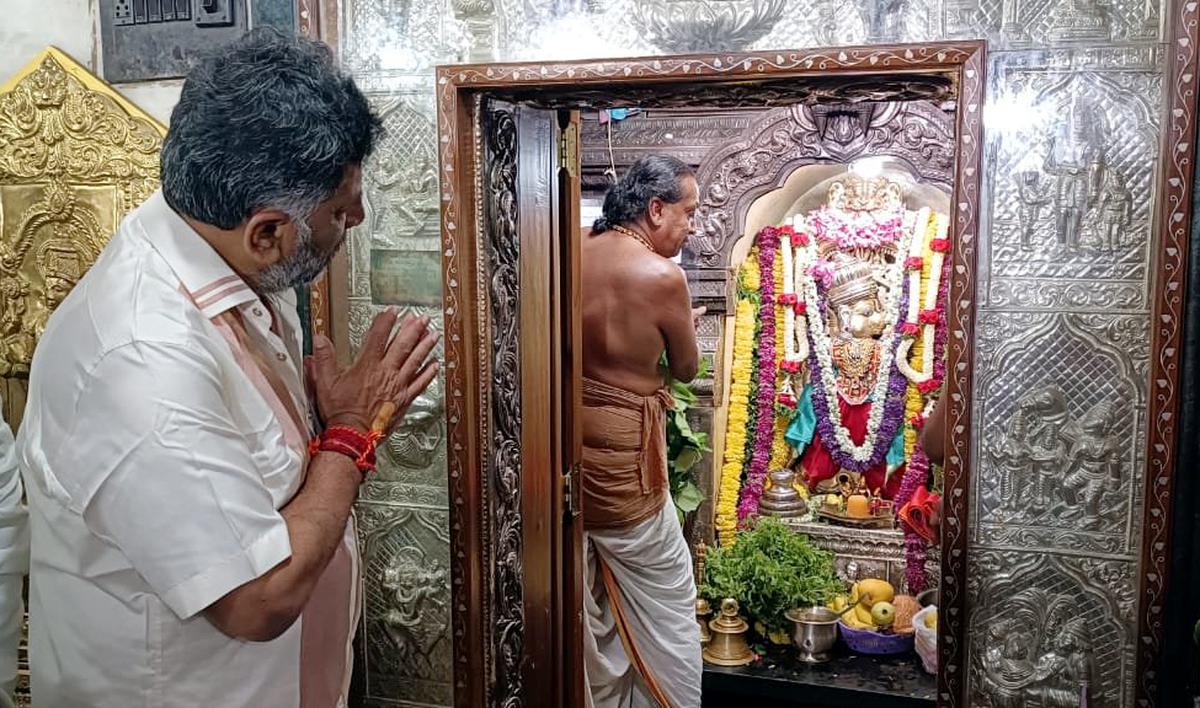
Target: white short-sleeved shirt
(166, 426)
(14, 563)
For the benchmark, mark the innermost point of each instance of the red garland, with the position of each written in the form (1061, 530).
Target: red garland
(914, 263)
(788, 298)
(797, 238)
(927, 387)
(940, 245)
(910, 329)
(929, 317)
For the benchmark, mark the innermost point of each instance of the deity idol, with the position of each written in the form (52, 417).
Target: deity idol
(855, 320)
(868, 289)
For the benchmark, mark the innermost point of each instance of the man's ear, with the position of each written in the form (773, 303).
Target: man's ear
(266, 234)
(654, 211)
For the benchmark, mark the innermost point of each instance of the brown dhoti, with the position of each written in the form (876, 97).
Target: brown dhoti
(624, 470)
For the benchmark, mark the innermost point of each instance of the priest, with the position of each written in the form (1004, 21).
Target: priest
(643, 645)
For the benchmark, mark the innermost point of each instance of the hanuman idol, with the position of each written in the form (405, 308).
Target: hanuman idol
(866, 336)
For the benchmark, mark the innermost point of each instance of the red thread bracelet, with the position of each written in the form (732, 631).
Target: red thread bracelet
(355, 444)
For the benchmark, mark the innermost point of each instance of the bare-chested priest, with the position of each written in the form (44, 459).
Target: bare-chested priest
(643, 645)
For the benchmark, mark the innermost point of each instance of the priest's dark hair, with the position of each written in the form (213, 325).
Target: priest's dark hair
(652, 176)
(268, 121)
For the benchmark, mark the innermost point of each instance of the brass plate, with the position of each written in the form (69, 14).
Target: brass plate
(75, 157)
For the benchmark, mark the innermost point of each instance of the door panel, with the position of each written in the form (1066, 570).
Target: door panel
(529, 269)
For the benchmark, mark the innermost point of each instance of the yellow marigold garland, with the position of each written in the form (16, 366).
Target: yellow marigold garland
(781, 452)
(742, 371)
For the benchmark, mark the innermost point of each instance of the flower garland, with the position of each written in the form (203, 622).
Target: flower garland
(914, 398)
(915, 548)
(795, 339)
(887, 394)
(851, 230)
(768, 245)
(929, 313)
(739, 402)
(781, 451)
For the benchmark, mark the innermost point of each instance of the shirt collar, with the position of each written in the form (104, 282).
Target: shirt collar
(205, 276)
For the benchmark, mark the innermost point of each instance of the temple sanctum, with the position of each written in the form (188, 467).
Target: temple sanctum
(942, 261)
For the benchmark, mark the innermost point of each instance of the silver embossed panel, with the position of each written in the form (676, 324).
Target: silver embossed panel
(1042, 23)
(1071, 192)
(412, 463)
(1040, 625)
(1059, 465)
(406, 603)
(400, 37)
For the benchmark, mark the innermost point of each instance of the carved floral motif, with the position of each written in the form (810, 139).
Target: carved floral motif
(74, 158)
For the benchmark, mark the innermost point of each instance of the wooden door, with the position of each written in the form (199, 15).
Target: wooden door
(569, 375)
(530, 181)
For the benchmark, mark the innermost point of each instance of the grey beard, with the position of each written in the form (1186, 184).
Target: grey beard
(303, 267)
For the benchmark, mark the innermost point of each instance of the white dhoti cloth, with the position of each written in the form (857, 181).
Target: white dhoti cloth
(650, 566)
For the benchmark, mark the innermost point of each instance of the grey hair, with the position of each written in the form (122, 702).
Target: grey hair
(652, 176)
(268, 121)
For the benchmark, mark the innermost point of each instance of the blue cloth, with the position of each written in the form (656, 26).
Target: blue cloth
(800, 431)
(895, 455)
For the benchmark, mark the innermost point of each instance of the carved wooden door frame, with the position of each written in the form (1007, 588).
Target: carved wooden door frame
(468, 315)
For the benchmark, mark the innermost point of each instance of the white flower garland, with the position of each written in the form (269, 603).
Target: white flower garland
(823, 345)
(789, 314)
(941, 226)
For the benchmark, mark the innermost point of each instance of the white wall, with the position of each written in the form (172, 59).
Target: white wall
(29, 26)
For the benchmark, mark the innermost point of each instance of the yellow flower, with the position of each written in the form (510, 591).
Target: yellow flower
(781, 452)
(739, 402)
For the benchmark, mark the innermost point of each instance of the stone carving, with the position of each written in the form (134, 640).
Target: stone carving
(686, 26)
(503, 468)
(407, 611)
(918, 133)
(1043, 626)
(74, 158)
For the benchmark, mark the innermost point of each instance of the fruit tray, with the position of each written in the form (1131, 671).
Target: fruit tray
(867, 641)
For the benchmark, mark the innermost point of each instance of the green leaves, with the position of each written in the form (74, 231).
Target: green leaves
(685, 447)
(769, 570)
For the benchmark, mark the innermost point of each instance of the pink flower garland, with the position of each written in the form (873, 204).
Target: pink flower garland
(859, 230)
(752, 490)
(915, 475)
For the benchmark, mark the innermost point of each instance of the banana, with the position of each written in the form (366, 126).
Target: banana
(863, 615)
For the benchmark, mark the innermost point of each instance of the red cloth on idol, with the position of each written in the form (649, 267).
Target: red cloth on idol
(817, 465)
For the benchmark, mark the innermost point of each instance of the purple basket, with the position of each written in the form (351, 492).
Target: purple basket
(866, 641)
